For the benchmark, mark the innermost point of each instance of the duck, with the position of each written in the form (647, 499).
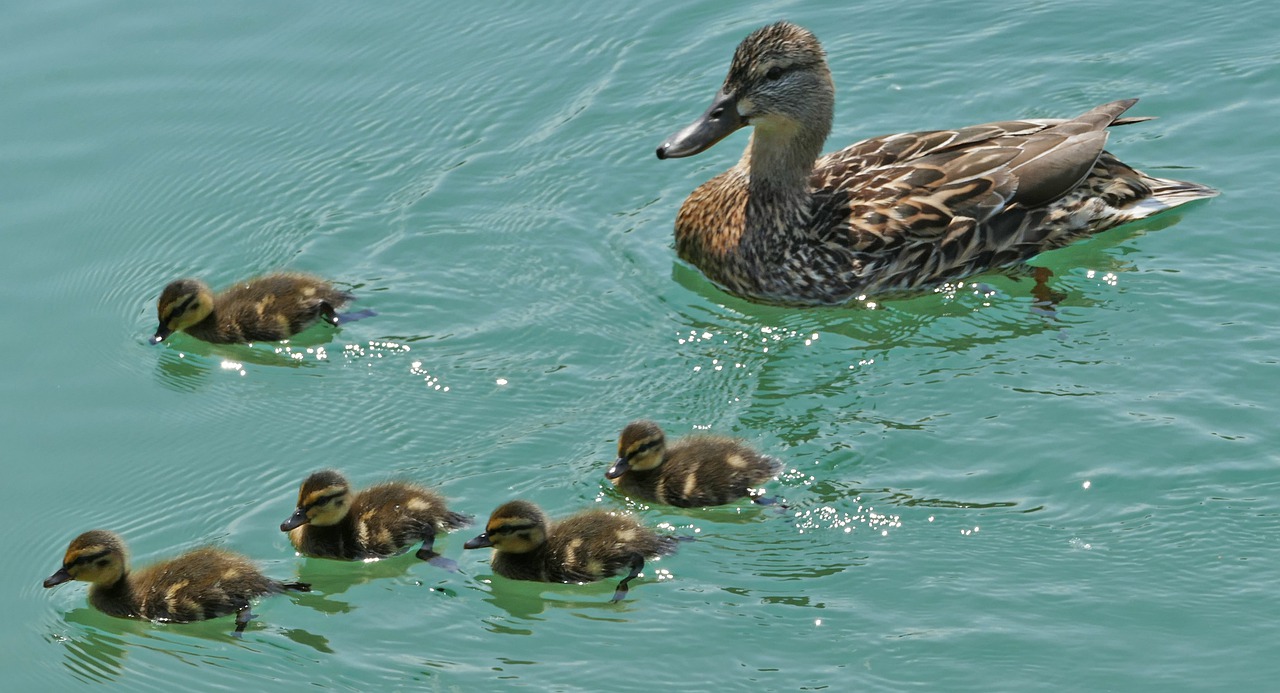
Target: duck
(333, 521)
(892, 214)
(268, 308)
(201, 584)
(585, 547)
(695, 471)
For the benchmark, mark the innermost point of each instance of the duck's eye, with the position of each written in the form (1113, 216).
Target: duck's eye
(102, 562)
(773, 74)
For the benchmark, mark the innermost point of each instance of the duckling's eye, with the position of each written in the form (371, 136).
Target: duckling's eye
(102, 562)
(774, 74)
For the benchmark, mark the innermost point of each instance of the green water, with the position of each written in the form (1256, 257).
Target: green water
(983, 496)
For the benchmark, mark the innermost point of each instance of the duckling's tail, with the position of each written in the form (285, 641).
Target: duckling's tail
(454, 520)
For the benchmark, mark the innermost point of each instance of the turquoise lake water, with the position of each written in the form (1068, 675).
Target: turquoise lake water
(983, 495)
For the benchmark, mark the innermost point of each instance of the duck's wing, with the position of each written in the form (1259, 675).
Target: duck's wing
(927, 186)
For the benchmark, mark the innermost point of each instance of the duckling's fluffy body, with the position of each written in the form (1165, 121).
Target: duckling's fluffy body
(694, 471)
(263, 309)
(584, 547)
(894, 213)
(333, 521)
(201, 584)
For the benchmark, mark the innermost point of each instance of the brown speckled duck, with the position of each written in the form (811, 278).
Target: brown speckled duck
(332, 521)
(692, 472)
(585, 547)
(263, 309)
(198, 585)
(889, 214)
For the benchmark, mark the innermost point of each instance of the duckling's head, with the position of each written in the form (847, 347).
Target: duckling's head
(182, 304)
(779, 83)
(323, 500)
(97, 556)
(514, 527)
(640, 447)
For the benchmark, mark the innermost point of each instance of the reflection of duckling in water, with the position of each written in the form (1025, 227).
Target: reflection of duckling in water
(584, 547)
(198, 585)
(692, 472)
(264, 309)
(383, 520)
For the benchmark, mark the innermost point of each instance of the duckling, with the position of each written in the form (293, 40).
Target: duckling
(198, 585)
(584, 547)
(889, 214)
(694, 471)
(263, 309)
(383, 520)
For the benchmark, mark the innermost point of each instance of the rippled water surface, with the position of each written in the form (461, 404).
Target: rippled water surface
(983, 495)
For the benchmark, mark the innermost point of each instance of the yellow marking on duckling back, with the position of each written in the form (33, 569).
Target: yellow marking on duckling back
(418, 504)
(594, 567)
(737, 461)
(384, 536)
(362, 531)
(571, 551)
(171, 595)
(626, 535)
(231, 573)
(690, 483)
(309, 291)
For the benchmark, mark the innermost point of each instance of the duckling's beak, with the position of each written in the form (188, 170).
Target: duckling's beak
(296, 520)
(58, 578)
(479, 542)
(161, 333)
(620, 467)
(717, 123)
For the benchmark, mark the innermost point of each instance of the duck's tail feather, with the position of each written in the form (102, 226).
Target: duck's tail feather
(1167, 194)
(454, 520)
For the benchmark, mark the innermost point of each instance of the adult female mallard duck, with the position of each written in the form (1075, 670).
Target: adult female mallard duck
(585, 547)
(692, 472)
(198, 585)
(332, 521)
(894, 213)
(263, 309)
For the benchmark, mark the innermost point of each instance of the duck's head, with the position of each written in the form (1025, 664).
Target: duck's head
(97, 556)
(182, 304)
(778, 82)
(514, 527)
(323, 500)
(640, 447)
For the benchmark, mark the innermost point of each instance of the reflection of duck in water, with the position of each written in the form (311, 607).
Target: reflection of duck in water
(263, 309)
(332, 521)
(894, 213)
(585, 547)
(692, 472)
(201, 584)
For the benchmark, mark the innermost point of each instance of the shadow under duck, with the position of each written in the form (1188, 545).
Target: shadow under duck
(332, 521)
(201, 584)
(585, 547)
(263, 309)
(890, 214)
(692, 472)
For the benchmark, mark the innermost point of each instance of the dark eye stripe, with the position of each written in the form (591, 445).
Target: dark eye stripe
(509, 528)
(88, 558)
(324, 499)
(182, 307)
(645, 447)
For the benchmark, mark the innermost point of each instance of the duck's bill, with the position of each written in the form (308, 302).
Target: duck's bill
(57, 578)
(716, 124)
(161, 334)
(479, 542)
(619, 468)
(296, 520)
